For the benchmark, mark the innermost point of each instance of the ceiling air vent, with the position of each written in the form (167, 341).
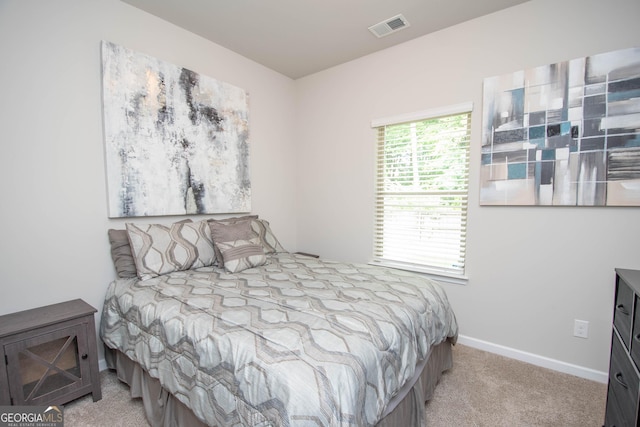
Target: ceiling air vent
(389, 26)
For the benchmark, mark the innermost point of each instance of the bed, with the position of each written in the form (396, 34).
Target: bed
(214, 323)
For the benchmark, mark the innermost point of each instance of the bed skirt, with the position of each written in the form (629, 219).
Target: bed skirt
(163, 409)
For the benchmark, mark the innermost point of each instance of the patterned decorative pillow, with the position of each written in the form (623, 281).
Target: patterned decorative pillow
(268, 240)
(160, 249)
(121, 252)
(238, 244)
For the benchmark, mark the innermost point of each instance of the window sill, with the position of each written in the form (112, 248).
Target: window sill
(439, 276)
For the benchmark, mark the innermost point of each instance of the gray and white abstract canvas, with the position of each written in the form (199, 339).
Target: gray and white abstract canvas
(176, 142)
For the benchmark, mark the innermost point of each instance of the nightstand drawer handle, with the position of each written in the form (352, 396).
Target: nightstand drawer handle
(622, 309)
(84, 356)
(619, 378)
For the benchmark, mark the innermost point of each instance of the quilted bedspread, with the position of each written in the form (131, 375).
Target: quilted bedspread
(299, 341)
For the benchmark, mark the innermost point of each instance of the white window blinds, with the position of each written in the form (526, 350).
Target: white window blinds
(422, 190)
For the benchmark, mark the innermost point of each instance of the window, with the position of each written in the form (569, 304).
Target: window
(422, 189)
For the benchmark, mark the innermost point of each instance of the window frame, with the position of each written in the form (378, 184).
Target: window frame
(434, 272)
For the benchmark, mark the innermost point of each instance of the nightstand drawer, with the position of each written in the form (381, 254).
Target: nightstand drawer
(623, 380)
(623, 310)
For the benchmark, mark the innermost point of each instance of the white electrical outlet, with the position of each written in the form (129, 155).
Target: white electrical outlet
(581, 328)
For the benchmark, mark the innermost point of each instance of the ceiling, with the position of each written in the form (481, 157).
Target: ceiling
(301, 37)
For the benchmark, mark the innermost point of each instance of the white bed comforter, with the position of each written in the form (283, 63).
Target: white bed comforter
(299, 341)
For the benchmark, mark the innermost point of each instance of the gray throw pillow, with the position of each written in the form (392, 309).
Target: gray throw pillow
(239, 246)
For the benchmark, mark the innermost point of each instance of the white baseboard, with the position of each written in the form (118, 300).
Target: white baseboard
(102, 364)
(534, 359)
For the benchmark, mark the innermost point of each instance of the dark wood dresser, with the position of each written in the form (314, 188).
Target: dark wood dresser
(49, 355)
(623, 392)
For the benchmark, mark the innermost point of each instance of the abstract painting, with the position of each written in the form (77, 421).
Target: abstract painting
(564, 134)
(176, 142)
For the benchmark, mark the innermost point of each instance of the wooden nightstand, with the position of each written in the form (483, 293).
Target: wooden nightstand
(50, 355)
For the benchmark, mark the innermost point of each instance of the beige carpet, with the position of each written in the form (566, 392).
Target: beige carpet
(482, 389)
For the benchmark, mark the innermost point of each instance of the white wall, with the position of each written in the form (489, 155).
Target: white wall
(54, 243)
(533, 270)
